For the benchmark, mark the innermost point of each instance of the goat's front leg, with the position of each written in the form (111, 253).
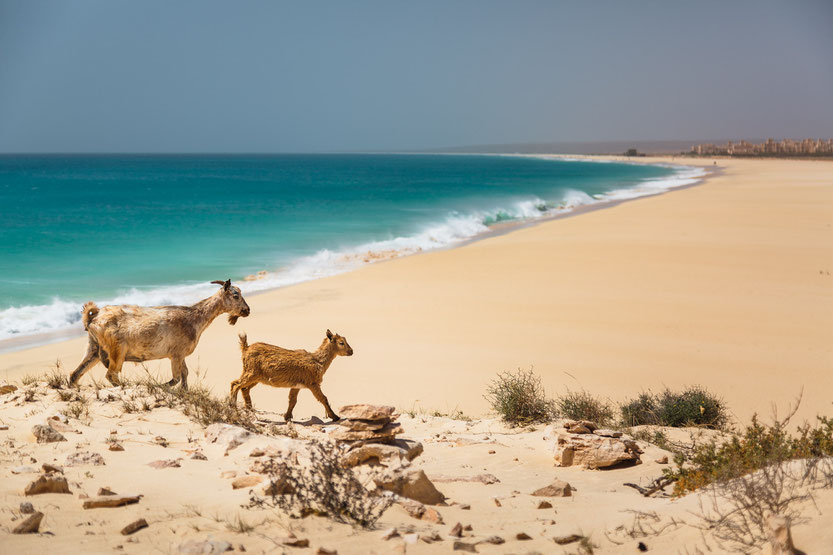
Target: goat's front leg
(179, 371)
(293, 398)
(89, 361)
(114, 368)
(316, 390)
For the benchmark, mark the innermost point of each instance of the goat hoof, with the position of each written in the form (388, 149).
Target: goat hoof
(173, 383)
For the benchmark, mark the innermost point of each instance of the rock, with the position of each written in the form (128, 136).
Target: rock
(558, 488)
(229, 473)
(59, 426)
(432, 515)
(278, 487)
(593, 451)
(545, 505)
(110, 501)
(47, 484)
(26, 508)
(367, 412)
(159, 440)
(413, 484)
(257, 452)
(411, 538)
(48, 468)
(325, 551)
(399, 450)
(497, 502)
(386, 433)
(456, 531)
(46, 434)
(246, 481)
(360, 425)
(292, 541)
(24, 470)
(662, 460)
(482, 478)
(492, 451)
(607, 433)
(564, 540)
(204, 547)
(414, 508)
(495, 540)
(84, 457)
(431, 537)
(115, 446)
(463, 546)
(522, 536)
(465, 507)
(227, 436)
(7, 389)
(105, 491)
(199, 456)
(780, 537)
(390, 533)
(4, 427)
(134, 527)
(580, 426)
(29, 526)
(169, 463)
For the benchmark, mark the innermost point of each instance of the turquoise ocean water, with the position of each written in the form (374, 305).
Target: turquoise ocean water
(156, 229)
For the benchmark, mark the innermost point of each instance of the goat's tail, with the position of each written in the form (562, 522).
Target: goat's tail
(244, 342)
(88, 313)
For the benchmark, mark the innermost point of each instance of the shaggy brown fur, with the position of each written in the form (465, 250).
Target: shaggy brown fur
(136, 334)
(298, 369)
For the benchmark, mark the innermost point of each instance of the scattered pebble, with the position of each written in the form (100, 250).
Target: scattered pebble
(545, 505)
(523, 536)
(26, 508)
(134, 527)
(29, 526)
(456, 531)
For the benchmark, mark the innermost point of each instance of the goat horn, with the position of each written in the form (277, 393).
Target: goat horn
(218, 282)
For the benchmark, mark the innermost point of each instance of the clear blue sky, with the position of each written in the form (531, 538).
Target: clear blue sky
(223, 76)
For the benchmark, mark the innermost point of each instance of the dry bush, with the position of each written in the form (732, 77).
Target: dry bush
(694, 406)
(519, 398)
(582, 405)
(321, 486)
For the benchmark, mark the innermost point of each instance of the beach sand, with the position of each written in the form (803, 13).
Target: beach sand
(727, 285)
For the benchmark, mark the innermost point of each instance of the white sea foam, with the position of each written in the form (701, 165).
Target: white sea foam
(62, 315)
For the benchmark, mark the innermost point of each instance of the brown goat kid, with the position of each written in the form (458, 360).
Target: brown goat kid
(298, 369)
(136, 334)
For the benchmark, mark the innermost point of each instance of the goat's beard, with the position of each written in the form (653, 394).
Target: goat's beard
(232, 319)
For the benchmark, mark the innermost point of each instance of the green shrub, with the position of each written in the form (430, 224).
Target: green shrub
(581, 405)
(519, 398)
(694, 406)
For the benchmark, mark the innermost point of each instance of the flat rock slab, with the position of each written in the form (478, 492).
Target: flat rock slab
(594, 451)
(367, 412)
(29, 526)
(558, 488)
(361, 425)
(47, 484)
(413, 484)
(170, 463)
(246, 482)
(134, 527)
(109, 501)
(388, 432)
(46, 434)
(482, 478)
(7, 389)
(399, 450)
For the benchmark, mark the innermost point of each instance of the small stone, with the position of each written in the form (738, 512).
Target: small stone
(106, 491)
(246, 481)
(7, 389)
(463, 546)
(390, 533)
(325, 551)
(497, 502)
(134, 527)
(465, 507)
(432, 515)
(278, 487)
(45, 434)
(4, 427)
(607, 433)
(413, 484)
(564, 540)
(204, 547)
(580, 426)
(228, 474)
(492, 451)
(558, 488)
(457, 531)
(545, 505)
(83, 458)
(522, 536)
(110, 501)
(257, 452)
(48, 468)
(115, 446)
(292, 541)
(47, 484)
(467, 528)
(26, 508)
(199, 456)
(495, 540)
(24, 470)
(159, 440)
(29, 526)
(170, 463)
(662, 460)
(431, 537)
(411, 538)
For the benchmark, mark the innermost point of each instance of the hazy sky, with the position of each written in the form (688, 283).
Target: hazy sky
(223, 76)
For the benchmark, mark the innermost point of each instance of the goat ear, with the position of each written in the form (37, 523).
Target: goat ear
(227, 284)
(329, 335)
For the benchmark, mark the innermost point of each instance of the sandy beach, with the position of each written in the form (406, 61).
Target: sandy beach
(726, 284)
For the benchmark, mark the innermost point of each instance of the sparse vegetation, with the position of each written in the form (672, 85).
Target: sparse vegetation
(519, 398)
(581, 405)
(321, 486)
(694, 406)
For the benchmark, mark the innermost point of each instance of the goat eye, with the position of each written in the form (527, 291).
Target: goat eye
(236, 296)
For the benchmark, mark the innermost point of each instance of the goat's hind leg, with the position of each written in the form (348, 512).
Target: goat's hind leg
(89, 361)
(114, 368)
(293, 399)
(179, 371)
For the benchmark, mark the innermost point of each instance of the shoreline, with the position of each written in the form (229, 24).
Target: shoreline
(29, 341)
(721, 285)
